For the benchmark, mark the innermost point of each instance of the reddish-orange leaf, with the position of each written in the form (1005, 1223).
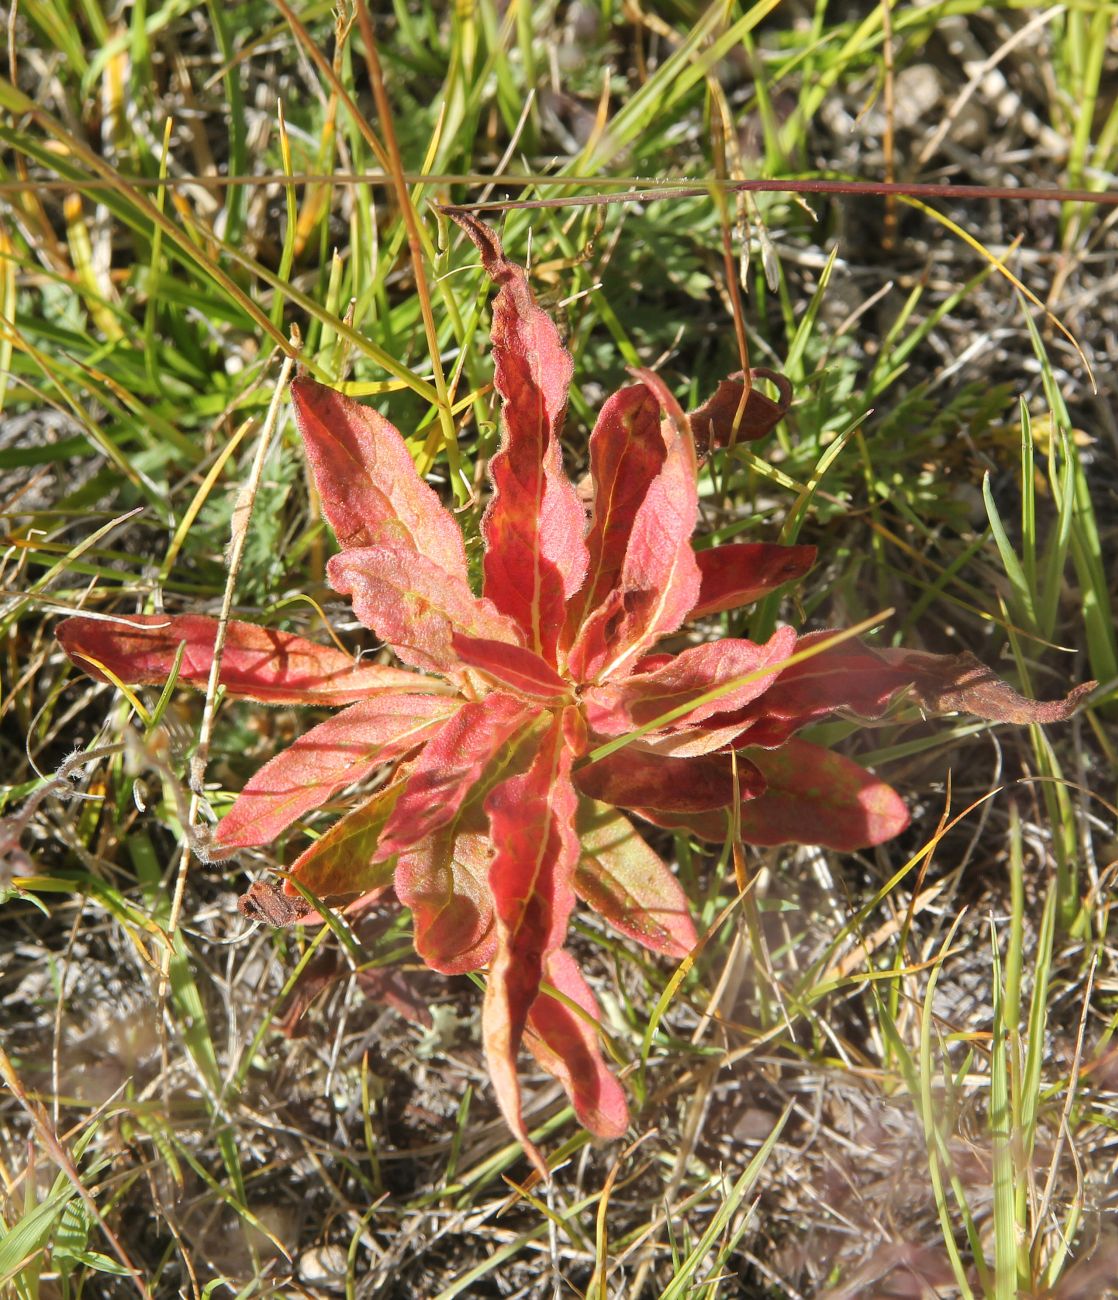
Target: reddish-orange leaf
(371, 493)
(865, 681)
(444, 881)
(815, 796)
(535, 556)
(513, 668)
(628, 884)
(337, 752)
(812, 796)
(658, 582)
(847, 676)
(626, 453)
(634, 778)
(649, 663)
(415, 606)
(450, 767)
(531, 820)
(258, 663)
(566, 1045)
(739, 573)
(341, 864)
(619, 707)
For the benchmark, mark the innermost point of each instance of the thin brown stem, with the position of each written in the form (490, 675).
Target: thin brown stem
(395, 165)
(733, 288)
(327, 69)
(887, 139)
(641, 189)
(878, 189)
(242, 513)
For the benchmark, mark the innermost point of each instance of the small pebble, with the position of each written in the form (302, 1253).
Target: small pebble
(917, 91)
(323, 1266)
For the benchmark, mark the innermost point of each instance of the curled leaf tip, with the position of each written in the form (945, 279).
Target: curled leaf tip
(963, 684)
(740, 412)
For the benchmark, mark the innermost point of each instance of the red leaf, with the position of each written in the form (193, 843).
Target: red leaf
(444, 881)
(629, 885)
(634, 778)
(566, 1046)
(535, 556)
(341, 863)
(730, 416)
(658, 582)
(258, 662)
(450, 767)
(371, 492)
(513, 668)
(415, 606)
(852, 676)
(848, 676)
(739, 573)
(649, 663)
(812, 796)
(617, 708)
(337, 752)
(815, 796)
(627, 451)
(531, 820)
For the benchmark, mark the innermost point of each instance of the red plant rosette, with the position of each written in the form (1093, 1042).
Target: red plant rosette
(503, 808)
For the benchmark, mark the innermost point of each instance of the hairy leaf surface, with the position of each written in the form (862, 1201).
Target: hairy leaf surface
(738, 573)
(627, 452)
(617, 708)
(450, 766)
(634, 778)
(658, 582)
(258, 663)
(963, 684)
(371, 492)
(629, 885)
(444, 881)
(514, 668)
(415, 606)
(812, 796)
(847, 676)
(337, 752)
(866, 681)
(531, 819)
(341, 863)
(566, 1045)
(535, 556)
